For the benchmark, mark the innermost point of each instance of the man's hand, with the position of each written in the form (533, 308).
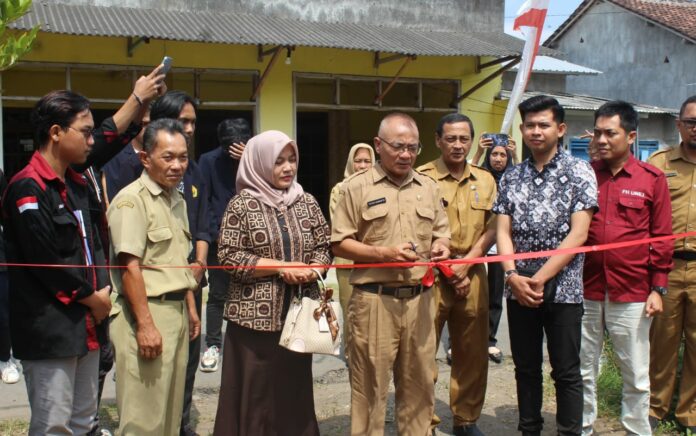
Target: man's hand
(654, 304)
(194, 321)
(149, 341)
(198, 271)
(236, 149)
(526, 290)
(150, 86)
(400, 253)
(99, 303)
(439, 252)
(460, 281)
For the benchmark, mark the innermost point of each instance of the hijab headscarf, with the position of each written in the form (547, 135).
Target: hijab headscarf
(351, 155)
(497, 175)
(255, 173)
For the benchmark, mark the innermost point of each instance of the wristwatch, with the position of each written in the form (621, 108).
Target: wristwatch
(662, 290)
(509, 273)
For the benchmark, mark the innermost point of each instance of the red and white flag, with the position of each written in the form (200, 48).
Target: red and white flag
(530, 20)
(27, 203)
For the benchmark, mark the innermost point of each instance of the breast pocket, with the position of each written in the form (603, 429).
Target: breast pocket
(375, 223)
(633, 211)
(424, 225)
(160, 245)
(480, 206)
(68, 238)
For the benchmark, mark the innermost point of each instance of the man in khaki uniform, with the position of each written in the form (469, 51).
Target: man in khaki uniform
(679, 305)
(154, 312)
(467, 193)
(390, 213)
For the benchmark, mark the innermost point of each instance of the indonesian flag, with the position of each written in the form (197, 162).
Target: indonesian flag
(530, 20)
(27, 203)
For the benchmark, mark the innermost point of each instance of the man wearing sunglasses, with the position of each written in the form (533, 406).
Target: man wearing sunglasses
(678, 317)
(390, 213)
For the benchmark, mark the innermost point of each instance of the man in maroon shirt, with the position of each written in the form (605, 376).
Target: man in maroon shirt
(624, 287)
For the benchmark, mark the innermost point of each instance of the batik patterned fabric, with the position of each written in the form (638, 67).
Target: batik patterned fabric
(251, 230)
(540, 205)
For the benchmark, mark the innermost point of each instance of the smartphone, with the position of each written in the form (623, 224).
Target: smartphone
(166, 65)
(498, 139)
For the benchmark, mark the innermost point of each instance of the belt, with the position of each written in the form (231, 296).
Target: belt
(685, 255)
(400, 292)
(170, 296)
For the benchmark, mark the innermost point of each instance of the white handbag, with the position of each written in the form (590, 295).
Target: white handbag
(313, 326)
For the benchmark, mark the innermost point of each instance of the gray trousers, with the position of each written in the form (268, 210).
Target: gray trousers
(62, 394)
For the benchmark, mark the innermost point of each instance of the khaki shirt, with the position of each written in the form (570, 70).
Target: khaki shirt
(149, 223)
(374, 210)
(468, 202)
(681, 179)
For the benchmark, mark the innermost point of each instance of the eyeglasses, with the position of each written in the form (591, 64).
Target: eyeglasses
(412, 149)
(689, 123)
(86, 133)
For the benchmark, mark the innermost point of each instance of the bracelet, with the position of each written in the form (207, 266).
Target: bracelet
(509, 273)
(140, 102)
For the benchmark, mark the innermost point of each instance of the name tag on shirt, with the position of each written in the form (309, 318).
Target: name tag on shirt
(376, 202)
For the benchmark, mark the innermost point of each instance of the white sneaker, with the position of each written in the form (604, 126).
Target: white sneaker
(210, 359)
(10, 373)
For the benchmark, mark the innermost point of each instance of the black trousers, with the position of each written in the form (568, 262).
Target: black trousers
(562, 325)
(496, 286)
(5, 341)
(192, 367)
(219, 283)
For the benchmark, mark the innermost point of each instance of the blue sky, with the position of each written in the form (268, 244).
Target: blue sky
(559, 10)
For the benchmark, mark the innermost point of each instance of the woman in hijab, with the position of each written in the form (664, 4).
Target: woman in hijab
(271, 223)
(360, 157)
(498, 160)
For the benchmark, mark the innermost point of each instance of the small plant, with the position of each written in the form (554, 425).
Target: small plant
(12, 48)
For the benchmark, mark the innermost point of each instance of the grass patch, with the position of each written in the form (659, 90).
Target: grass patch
(14, 427)
(609, 383)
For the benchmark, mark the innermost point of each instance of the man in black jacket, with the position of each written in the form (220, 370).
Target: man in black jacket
(52, 217)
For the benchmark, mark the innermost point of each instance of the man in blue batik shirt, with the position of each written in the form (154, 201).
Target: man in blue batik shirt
(545, 203)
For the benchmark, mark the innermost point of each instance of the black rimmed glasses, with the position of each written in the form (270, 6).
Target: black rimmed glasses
(87, 133)
(412, 149)
(689, 123)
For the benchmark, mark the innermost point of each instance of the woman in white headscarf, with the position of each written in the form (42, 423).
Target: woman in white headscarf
(360, 157)
(271, 222)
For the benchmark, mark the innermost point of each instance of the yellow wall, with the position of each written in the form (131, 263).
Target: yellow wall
(276, 98)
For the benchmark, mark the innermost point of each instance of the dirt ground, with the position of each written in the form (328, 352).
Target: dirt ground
(332, 402)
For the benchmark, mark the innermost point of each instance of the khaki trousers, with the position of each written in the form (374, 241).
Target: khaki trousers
(467, 321)
(677, 318)
(150, 393)
(344, 292)
(391, 333)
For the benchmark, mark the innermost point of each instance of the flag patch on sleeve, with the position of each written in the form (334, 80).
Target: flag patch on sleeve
(27, 203)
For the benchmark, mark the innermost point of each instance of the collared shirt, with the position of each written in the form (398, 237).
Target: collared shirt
(540, 204)
(681, 180)
(126, 167)
(374, 210)
(633, 204)
(468, 202)
(150, 223)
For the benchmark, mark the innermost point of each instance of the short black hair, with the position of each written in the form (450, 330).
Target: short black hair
(687, 102)
(451, 119)
(168, 125)
(233, 130)
(540, 103)
(627, 114)
(55, 108)
(170, 105)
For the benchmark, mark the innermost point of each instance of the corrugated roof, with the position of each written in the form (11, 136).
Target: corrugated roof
(547, 64)
(678, 16)
(589, 103)
(234, 28)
